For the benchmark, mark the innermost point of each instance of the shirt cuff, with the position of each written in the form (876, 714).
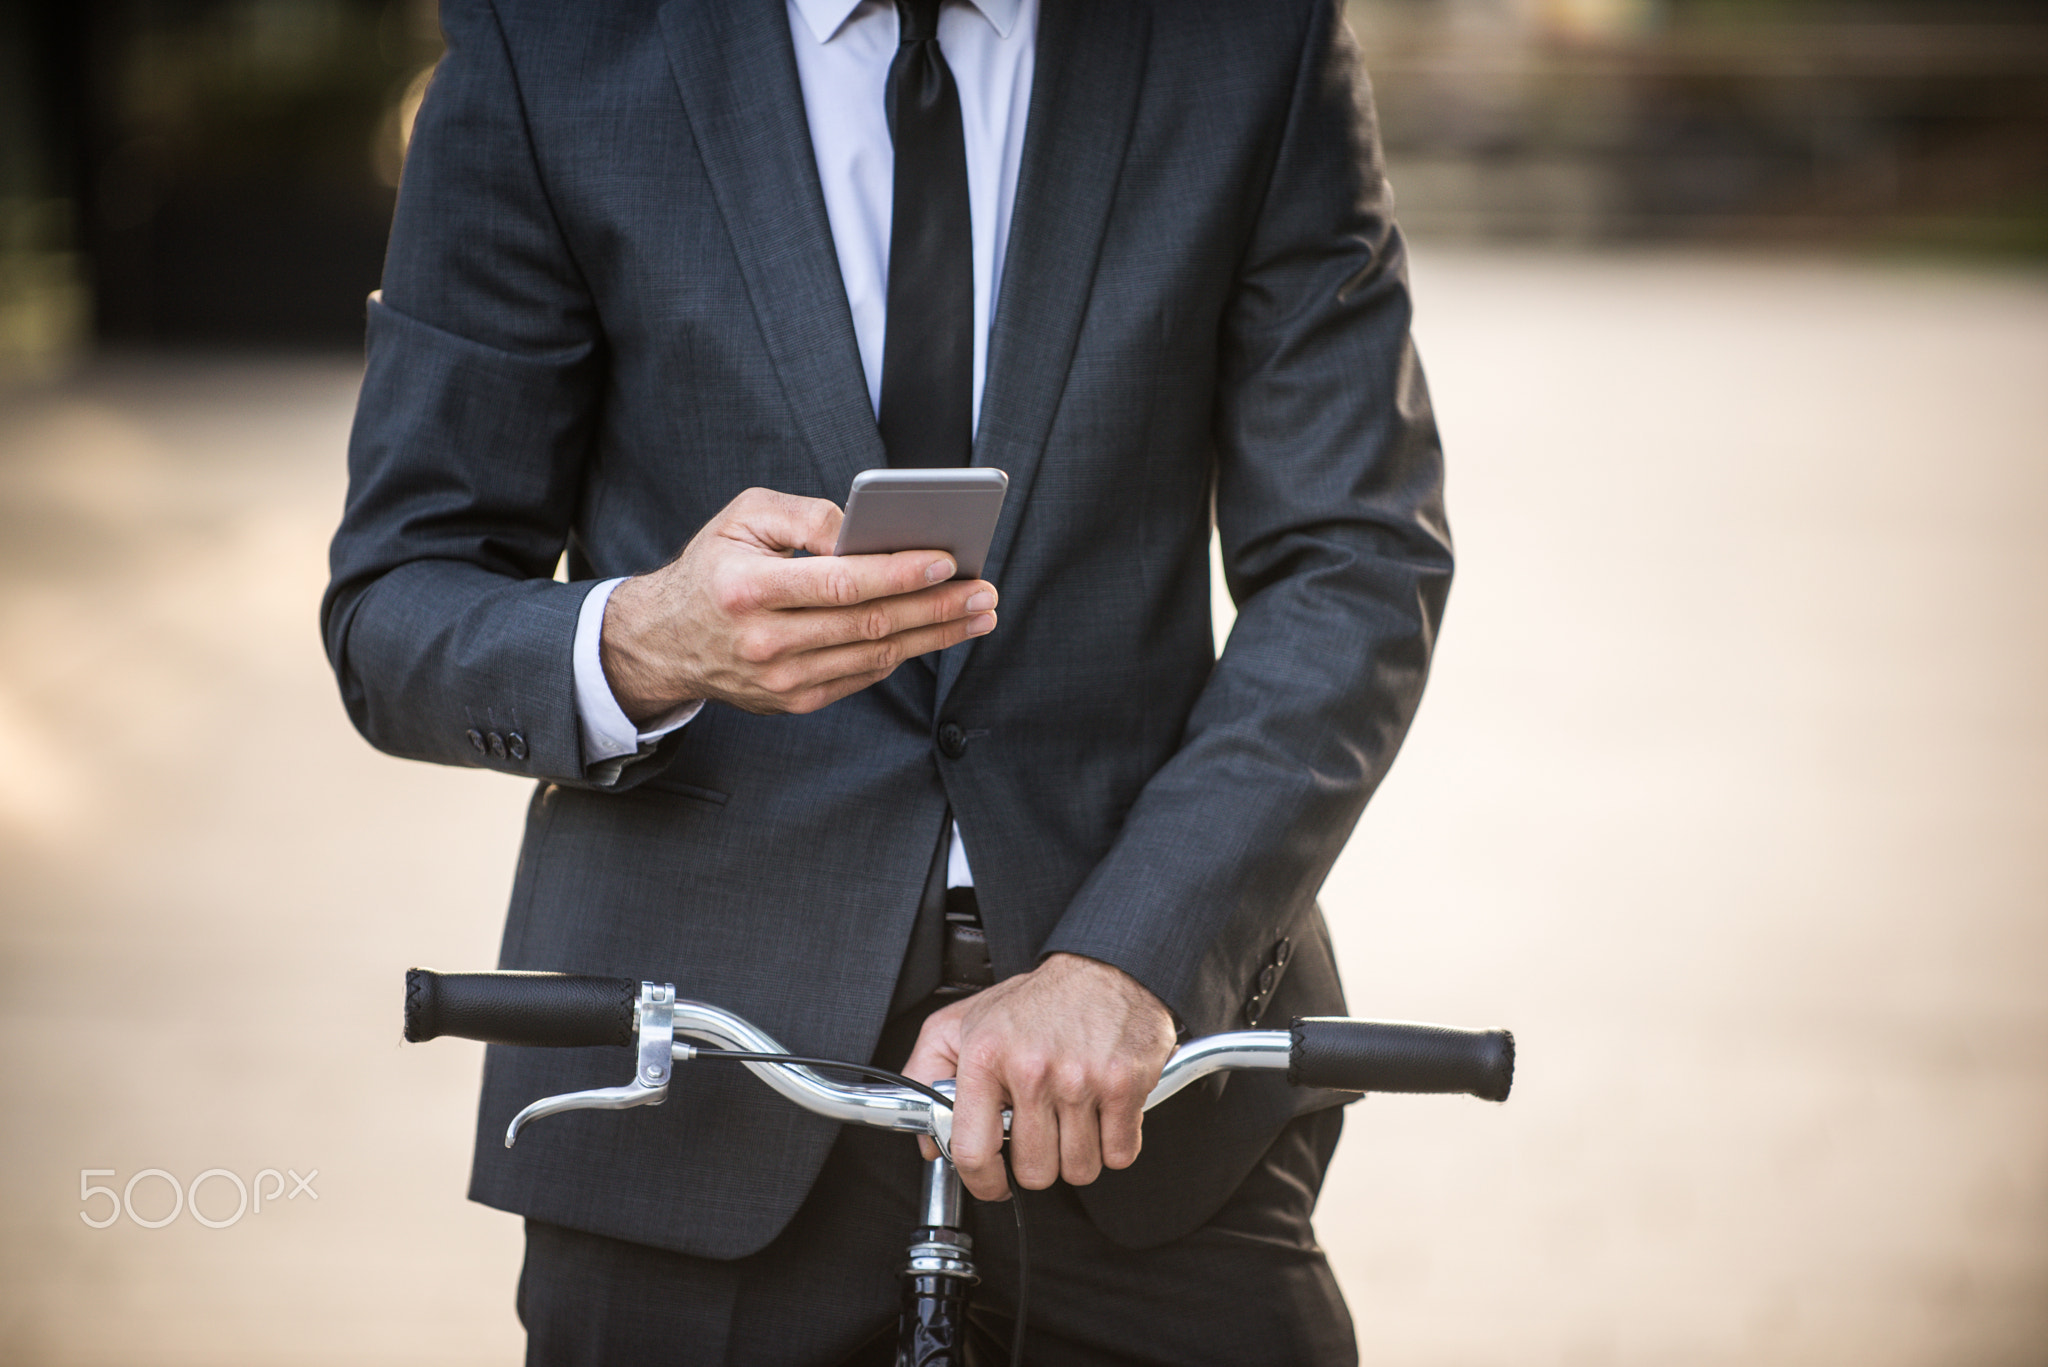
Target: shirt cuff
(608, 733)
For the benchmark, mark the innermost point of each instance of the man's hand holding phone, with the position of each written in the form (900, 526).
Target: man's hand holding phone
(740, 618)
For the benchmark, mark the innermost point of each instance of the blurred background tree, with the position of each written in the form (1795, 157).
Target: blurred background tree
(203, 171)
(222, 172)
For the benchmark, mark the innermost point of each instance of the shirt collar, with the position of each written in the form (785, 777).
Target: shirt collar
(824, 18)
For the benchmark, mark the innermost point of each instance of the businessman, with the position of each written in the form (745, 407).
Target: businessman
(663, 278)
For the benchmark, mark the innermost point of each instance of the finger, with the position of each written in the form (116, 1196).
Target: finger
(881, 619)
(1122, 1117)
(1080, 1143)
(878, 619)
(840, 581)
(820, 668)
(819, 678)
(779, 523)
(1034, 1138)
(978, 1134)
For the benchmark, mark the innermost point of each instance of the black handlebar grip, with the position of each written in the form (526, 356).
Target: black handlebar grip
(559, 1010)
(1385, 1056)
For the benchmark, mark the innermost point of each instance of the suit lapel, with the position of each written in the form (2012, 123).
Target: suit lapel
(1084, 97)
(737, 77)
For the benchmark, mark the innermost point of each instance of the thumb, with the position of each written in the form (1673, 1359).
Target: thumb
(778, 522)
(937, 1053)
(935, 1058)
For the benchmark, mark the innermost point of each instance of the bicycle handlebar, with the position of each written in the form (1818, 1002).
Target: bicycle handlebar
(566, 1010)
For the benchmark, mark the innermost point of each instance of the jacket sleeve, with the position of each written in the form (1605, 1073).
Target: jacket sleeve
(1329, 506)
(442, 619)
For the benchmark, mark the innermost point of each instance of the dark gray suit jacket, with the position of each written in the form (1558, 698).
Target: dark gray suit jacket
(611, 303)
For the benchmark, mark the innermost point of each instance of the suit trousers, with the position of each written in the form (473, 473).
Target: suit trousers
(1249, 1287)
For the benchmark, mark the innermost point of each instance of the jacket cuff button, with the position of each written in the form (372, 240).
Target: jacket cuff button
(515, 745)
(476, 740)
(497, 745)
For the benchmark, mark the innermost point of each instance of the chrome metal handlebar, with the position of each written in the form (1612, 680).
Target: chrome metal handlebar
(666, 1026)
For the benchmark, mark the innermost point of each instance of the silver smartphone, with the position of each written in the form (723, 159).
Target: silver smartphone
(950, 510)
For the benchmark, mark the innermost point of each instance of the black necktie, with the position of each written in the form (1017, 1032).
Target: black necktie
(927, 413)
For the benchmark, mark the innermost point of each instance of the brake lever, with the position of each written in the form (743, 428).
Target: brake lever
(649, 1087)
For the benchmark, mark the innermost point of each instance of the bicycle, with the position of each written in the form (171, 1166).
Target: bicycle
(555, 1010)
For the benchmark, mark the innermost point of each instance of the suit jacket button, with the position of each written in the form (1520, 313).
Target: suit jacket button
(476, 740)
(952, 740)
(515, 745)
(1281, 952)
(497, 745)
(1268, 976)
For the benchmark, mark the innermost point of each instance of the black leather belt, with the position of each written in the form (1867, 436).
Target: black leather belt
(964, 963)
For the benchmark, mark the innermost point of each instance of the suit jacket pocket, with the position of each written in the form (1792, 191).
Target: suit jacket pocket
(709, 797)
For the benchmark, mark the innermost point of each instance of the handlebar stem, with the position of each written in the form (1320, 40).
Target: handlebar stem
(941, 1195)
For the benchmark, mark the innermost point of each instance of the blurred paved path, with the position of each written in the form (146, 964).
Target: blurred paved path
(1728, 796)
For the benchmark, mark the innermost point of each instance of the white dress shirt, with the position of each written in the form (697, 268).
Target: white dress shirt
(843, 52)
